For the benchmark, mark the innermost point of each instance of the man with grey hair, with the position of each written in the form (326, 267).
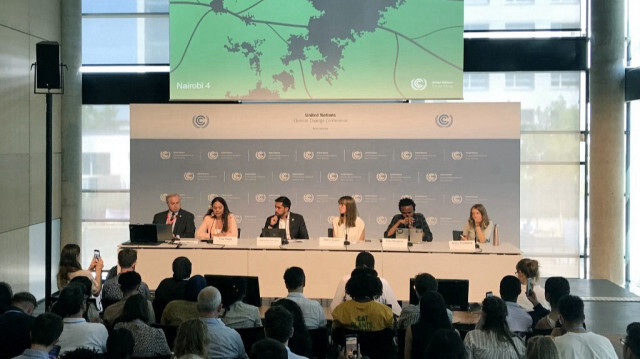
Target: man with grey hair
(181, 221)
(224, 342)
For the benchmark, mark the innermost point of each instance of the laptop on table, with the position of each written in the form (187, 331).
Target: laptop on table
(150, 234)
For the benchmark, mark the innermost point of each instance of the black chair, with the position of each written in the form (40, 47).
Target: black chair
(170, 332)
(402, 334)
(375, 344)
(319, 342)
(250, 336)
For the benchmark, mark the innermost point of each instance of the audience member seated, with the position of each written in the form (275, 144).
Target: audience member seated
(129, 282)
(278, 325)
(494, 340)
(16, 324)
(295, 280)
(410, 314)
(445, 344)
(5, 296)
(542, 347)
(363, 312)
(554, 289)
(573, 340)
(77, 331)
(300, 343)
(81, 353)
(120, 344)
(268, 348)
(528, 269)
(366, 260)
(172, 288)
(237, 313)
(631, 343)
(433, 316)
(518, 319)
(91, 313)
(47, 328)
(149, 342)
(224, 342)
(180, 310)
(111, 292)
(70, 268)
(192, 340)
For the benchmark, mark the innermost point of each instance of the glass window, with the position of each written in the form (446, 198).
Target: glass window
(530, 14)
(634, 192)
(475, 81)
(124, 6)
(519, 80)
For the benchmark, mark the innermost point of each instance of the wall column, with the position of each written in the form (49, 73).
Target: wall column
(606, 163)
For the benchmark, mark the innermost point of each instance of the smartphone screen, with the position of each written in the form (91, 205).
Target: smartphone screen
(351, 346)
(489, 294)
(529, 285)
(96, 253)
(55, 351)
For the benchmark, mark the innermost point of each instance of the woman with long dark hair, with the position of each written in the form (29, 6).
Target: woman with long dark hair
(433, 316)
(348, 225)
(70, 268)
(494, 340)
(218, 221)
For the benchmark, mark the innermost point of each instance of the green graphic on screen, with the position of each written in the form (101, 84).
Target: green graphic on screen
(316, 49)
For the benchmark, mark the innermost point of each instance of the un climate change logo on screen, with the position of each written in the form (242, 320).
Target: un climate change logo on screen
(381, 220)
(456, 199)
(381, 177)
(211, 196)
(356, 155)
(189, 176)
(432, 221)
(332, 176)
(200, 121)
(308, 155)
(357, 198)
(444, 120)
(212, 155)
(165, 155)
(236, 176)
(456, 155)
(431, 177)
(308, 198)
(419, 83)
(163, 197)
(238, 218)
(261, 155)
(406, 155)
(285, 176)
(330, 219)
(261, 197)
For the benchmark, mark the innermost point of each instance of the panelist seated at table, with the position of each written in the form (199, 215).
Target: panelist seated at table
(479, 227)
(182, 222)
(218, 222)
(348, 225)
(408, 218)
(292, 223)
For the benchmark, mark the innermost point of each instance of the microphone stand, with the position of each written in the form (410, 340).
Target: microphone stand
(346, 233)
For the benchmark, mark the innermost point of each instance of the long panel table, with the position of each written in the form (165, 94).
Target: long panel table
(324, 267)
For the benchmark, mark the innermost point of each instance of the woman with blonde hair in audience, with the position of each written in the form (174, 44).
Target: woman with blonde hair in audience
(192, 340)
(542, 347)
(70, 268)
(348, 225)
(528, 270)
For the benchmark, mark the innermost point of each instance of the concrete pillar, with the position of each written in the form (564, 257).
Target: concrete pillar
(606, 164)
(71, 49)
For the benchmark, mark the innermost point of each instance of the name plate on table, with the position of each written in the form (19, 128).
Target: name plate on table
(268, 242)
(462, 246)
(394, 243)
(330, 242)
(226, 241)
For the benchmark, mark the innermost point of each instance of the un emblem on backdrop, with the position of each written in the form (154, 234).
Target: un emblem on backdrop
(356, 155)
(456, 199)
(419, 84)
(406, 196)
(261, 155)
(357, 198)
(285, 176)
(456, 155)
(238, 218)
(381, 177)
(330, 219)
(236, 176)
(261, 197)
(381, 220)
(211, 196)
(431, 177)
(406, 155)
(189, 176)
(165, 155)
(308, 198)
(200, 121)
(432, 221)
(332, 176)
(308, 155)
(163, 197)
(213, 155)
(444, 120)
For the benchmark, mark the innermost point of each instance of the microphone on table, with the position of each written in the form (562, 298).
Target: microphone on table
(346, 234)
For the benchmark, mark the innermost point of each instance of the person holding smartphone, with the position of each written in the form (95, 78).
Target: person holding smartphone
(528, 273)
(70, 268)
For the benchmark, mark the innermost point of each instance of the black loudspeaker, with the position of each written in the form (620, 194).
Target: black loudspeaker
(48, 65)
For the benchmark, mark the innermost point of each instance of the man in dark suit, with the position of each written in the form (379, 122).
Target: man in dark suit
(182, 221)
(293, 223)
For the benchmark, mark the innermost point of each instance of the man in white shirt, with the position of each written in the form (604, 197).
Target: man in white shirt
(366, 260)
(77, 332)
(573, 340)
(312, 311)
